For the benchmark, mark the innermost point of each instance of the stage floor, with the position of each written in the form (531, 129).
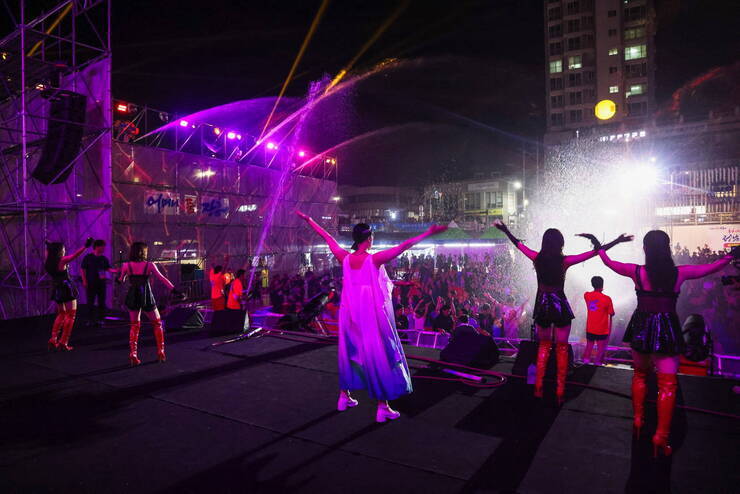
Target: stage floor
(259, 416)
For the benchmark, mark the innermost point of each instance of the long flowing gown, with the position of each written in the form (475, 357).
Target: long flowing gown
(370, 353)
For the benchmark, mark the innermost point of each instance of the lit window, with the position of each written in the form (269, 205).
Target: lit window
(634, 52)
(613, 89)
(575, 62)
(636, 89)
(614, 51)
(556, 66)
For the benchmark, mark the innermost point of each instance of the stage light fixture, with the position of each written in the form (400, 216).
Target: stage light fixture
(183, 123)
(231, 134)
(217, 131)
(239, 137)
(517, 185)
(122, 107)
(301, 153)
(272, 146)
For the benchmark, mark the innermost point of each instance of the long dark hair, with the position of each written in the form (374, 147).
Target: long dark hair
(659, 264)
(138, 252)
(549, 262)
(53, 256)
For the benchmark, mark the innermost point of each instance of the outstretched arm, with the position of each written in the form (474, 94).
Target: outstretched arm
(334, 247)
(161, 277)
(690, 272)
(67, 259)
(531, 254)
(625, 269)
(579, 258)
(388, 255)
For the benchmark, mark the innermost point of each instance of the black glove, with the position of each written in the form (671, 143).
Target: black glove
(89, 242)
(735, 252)
(501, 226)
(594, 241)
(620, 239)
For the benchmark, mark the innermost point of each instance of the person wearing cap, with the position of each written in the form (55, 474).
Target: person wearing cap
(370, 354)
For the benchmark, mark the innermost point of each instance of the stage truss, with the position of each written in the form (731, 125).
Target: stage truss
(65, 48)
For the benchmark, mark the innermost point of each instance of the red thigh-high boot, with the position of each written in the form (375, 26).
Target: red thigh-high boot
(133, 343)
(543, 355)
(639, 390)
(56, 328)
(667, 384)
(69, 323)
(561, 355)
(159, 337)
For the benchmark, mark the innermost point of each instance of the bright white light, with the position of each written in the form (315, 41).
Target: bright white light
(517, 185)
(271, 146)
(393, 214)
(183, 123)
(336, 198)
(205, 173)
(526, 202)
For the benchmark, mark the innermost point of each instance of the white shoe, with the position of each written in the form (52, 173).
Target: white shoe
(345, 402)
(386, 413)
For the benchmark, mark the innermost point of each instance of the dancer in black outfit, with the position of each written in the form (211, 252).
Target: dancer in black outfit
(654, 331)
(551, 307)
(140, 298)
(64, 292)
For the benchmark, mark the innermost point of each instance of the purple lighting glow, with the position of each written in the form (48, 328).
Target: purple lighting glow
(271, 146)
(302, 153)
(231, 134)
(183, 123)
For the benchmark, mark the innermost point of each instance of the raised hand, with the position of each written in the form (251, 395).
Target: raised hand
(500, 225)
(625, 238)
(435, 229)
(594, 241)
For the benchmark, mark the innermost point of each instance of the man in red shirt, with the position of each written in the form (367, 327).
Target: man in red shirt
(218, 278)
(598, 321)
(236, 291)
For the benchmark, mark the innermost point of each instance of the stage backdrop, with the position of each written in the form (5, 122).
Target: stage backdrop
(193, 211)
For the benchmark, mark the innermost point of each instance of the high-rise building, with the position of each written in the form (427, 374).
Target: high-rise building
(598, 50)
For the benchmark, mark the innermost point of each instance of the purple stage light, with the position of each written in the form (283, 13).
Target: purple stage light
(183, 123)
(301, 153)
(231, 135)
(217, 131)
(239, 136)
(271, 146)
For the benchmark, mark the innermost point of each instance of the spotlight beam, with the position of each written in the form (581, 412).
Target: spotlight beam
(299, 56)
(377, 34)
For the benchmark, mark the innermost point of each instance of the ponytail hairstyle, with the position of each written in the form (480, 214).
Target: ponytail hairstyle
(138, 252)
(549, 262)
(53, 256)
(661, 270)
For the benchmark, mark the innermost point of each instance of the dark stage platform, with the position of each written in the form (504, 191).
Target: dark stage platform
(259, 416)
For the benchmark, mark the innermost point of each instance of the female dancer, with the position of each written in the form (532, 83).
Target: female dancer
(551, 306)
(140, 298)
(654, 331)
(370, 354)
(64, 292)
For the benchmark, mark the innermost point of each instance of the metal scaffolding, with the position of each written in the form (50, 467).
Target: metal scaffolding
(60, 50)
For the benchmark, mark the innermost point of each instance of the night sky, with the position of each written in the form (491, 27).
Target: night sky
(468, 97)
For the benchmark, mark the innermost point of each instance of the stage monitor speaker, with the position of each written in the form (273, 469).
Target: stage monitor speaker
(470, 348)
(63, 136)
(182, 318)
(527, 356)
(227, 322)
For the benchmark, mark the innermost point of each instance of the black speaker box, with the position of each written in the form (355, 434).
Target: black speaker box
(63, 136)
(470, 348)
(226, 322)
(528, 355)
(182, 318)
